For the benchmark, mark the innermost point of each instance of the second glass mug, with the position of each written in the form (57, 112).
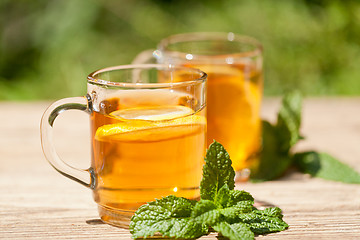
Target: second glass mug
(148, 130)
(235, 84)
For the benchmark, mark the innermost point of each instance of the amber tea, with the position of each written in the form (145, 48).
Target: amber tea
(235, 82)
(146, 151)
(233, 113)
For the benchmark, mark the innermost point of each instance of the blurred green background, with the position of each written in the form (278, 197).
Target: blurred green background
(49, 46)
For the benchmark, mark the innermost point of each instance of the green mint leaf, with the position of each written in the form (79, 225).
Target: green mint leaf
(277, 140)
(205, 211)
(230, 203)
(217, 172)
(289, 120)
(174, 206)
(239, 202)
(227, 205)
(183, 228)
(273, 161)
(236, 231)
(324, 166)
(203, 206)
(169, 216)
(261, 223)
(230, 214)
(271, 212)
(223, 196)
(239, 196)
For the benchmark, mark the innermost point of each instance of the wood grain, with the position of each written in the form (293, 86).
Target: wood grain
(38, 203)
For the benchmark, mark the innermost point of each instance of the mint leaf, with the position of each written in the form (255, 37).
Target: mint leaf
(239, 195)
(273, 161)
(239, 202)
(223, 196)
(217, 172)
(236, 231)
(230, 203)
(169, 216)
(289, 120)
(277, 139)
(183, 228)
(205, 211)
(325, 166)
(230, 214)
(171, 227)
(261, 223)
(271, 212)
(203, 206)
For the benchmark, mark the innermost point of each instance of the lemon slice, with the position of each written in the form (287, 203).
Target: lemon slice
(166, 123)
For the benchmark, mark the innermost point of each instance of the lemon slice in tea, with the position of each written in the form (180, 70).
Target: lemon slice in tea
(143, 124)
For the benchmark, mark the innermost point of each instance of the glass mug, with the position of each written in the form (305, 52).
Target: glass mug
(234, 65)
(148, 130)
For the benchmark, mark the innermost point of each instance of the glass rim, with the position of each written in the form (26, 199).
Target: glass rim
(211, 36)
(91, 78)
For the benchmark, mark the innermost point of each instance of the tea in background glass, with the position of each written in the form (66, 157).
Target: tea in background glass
(235, 82)
(148, 130)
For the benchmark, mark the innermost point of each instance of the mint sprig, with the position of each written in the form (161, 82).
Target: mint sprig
(289, 121)
(217, 172)
(277, 155)
(278, 139)
(227, 211)
(325, 166)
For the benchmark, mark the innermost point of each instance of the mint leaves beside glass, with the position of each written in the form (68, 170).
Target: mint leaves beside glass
(221, 208)
(324, 166)
(277, 155)
(278, 139)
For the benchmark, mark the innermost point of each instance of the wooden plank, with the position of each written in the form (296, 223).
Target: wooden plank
(36, 202)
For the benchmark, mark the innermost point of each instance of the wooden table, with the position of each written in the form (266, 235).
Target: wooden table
(38, 203)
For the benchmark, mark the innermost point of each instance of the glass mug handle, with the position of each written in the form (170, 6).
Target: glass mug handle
(85, 177)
